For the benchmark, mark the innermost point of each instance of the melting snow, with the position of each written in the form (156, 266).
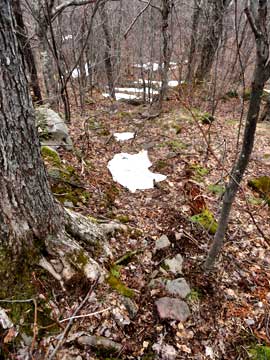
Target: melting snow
(132, 171)
(173, 83)
(152, 91)
(123, 136)
(76, 72)
(120, 96)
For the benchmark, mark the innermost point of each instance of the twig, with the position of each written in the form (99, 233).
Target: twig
(35, 328)
(67, 328)
(136, 18)
(85, 315)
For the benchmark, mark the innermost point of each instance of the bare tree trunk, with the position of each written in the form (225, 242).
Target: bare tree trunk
(27, 51)
(193, 40)
(215, 10)
(47, 70)
(261, 75)
(108, 49)
(166, 51)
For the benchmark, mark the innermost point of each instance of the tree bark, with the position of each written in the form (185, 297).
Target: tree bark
(27, 208)
(166, 51)
(215, 10)
(108, 49)
(193, 40)
(27, 51)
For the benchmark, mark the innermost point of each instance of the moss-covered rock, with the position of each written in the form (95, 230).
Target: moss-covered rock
(207, 220)
(262, 186)
(50, 156)
(64, 181)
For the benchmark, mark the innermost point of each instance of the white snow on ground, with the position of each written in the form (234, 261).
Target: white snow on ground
(173, 83)
(67, 37)
(76, 72)
(123, 136)
(131, 171)
(120, 96)
(136, 90)
(148, 82)
(267, 91)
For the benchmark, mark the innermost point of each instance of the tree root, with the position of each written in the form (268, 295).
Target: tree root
(74, 248)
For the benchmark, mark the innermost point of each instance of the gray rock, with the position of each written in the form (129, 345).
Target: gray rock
(162, 243)
(178, 287)
(157, 283)
(173, 309)
(99, 342)
(131, 307)
(175, 264)
(52, 129)
(165, 351)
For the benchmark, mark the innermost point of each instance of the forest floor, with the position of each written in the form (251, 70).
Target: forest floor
(230, 308)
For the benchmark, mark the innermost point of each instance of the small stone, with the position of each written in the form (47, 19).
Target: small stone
(158, 283)
(230, 294)
(68, 204)
(249, 322)
(175, 264)
(173, 309)
(130, 306)
(178, 287)
(162, 243)
(167, 352)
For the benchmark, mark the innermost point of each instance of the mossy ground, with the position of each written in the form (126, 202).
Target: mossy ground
(22, 288)
(260, 352)
(207, 220)
(64, 181)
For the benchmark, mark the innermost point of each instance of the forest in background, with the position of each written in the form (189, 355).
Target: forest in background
(109, 267)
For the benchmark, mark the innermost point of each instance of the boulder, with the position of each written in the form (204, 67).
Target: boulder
(52, 129)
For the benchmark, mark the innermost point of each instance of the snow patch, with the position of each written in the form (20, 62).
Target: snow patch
(136, 90)
(76, 72)
(131, 171)
(120, 96)
(124, 136)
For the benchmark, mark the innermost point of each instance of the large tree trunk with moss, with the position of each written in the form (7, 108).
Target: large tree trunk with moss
(261, 75)
(28, 211)
(32, 224)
